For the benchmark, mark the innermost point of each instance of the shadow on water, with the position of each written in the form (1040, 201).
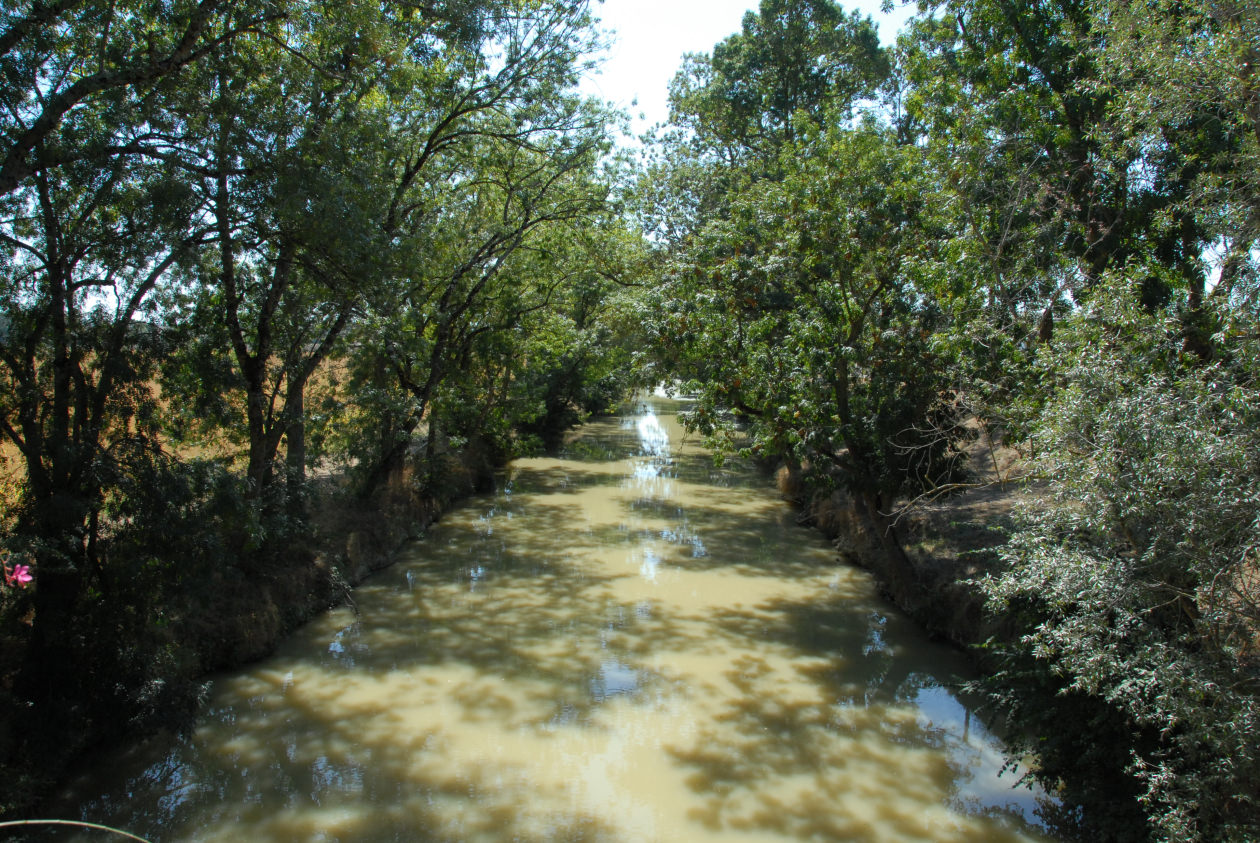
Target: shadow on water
(876, 723)
(606, 649)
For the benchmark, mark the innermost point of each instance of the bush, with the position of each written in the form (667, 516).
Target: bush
(1135, 574)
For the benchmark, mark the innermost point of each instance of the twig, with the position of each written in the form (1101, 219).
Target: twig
(78, 823)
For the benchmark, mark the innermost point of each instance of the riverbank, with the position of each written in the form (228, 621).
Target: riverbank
(351, 538)
(949, 541)
(240, 615)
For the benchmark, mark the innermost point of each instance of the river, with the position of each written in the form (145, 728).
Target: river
(623, 643)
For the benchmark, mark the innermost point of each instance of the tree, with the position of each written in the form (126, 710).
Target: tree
(466, 281)
(97, 219)
(86, 250)
(808, 313)
(67, 61)
(198, 201)
(795, 64)
(339, 186)
(801, 293)
(292, 176)
(793, 58)
(1132, 578)
(1182, 82)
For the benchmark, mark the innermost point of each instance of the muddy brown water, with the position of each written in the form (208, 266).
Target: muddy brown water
(625, 643)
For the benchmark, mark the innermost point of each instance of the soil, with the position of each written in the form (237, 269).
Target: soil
(952, 539)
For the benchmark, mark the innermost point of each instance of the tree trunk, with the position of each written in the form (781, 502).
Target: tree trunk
(261, 453)
(897, 565)
(295, 451)
(53, 660)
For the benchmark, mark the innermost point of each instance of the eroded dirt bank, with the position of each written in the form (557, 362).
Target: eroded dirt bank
(950, 541)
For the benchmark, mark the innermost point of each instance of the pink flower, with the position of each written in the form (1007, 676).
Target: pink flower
(20, 575)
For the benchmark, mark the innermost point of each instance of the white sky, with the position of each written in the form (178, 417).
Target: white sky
(652, 35)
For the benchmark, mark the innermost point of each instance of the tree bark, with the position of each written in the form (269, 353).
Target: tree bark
(897, 565)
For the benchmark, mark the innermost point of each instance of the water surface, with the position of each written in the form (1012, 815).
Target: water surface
(622, 644)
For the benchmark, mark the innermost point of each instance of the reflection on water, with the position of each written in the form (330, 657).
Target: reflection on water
(624, 644)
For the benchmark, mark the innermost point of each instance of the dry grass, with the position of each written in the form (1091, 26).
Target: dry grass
(11, 474)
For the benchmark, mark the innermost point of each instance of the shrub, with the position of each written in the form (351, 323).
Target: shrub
(1135, 575)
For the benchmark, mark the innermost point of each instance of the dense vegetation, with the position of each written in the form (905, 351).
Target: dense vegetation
(248, 238)
(1037, 219)
(244, 239)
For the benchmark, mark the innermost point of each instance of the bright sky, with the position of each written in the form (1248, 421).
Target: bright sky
(652, 35)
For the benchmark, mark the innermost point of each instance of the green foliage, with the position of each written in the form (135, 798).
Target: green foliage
(1136, 571)
(1182, 81)
(809, 313)
(793, 59)
(81, 80)
(227, 225)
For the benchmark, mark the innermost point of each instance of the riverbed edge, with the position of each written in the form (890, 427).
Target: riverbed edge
(950, 543)
(352, 537)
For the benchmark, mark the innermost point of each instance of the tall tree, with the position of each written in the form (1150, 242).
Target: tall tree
(808, 313)
(795, 64)
(292, 178)
(464, 279)
(793, 58)
(795, 295)
(97, 218)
